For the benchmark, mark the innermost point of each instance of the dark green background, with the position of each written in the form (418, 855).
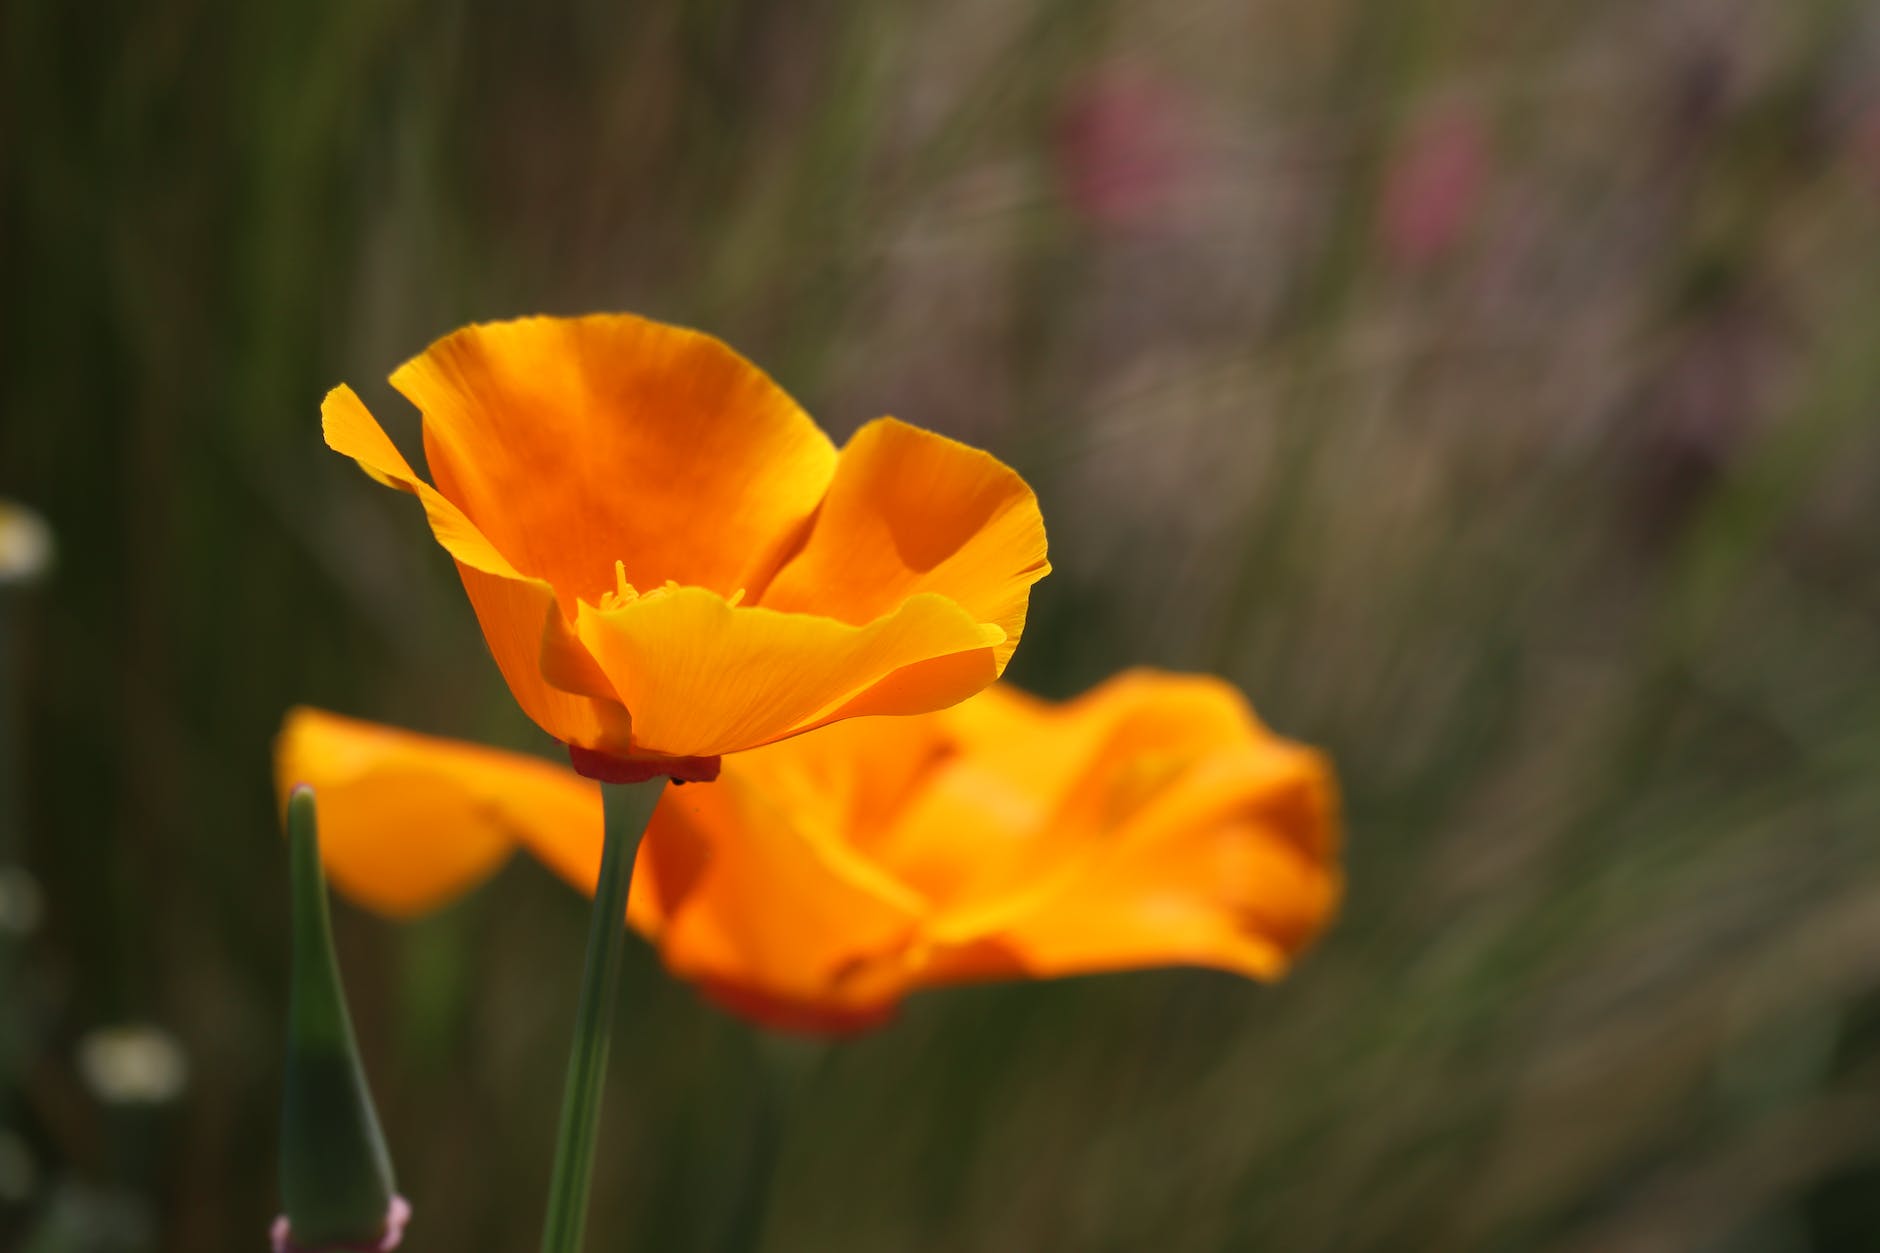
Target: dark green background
(1562, 540)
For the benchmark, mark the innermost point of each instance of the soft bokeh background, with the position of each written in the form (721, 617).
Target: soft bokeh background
(1492, 390)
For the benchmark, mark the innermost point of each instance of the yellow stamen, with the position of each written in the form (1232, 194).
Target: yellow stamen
(625, 593)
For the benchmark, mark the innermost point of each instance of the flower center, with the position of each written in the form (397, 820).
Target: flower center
(625, 593)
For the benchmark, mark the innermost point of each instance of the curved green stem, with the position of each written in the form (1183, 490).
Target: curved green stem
(628, 807)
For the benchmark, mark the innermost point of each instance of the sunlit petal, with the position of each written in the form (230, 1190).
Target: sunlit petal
(700, 676)
(578, 442)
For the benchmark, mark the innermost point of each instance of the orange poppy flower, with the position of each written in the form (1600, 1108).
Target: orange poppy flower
(1150, 822)
(670, 561)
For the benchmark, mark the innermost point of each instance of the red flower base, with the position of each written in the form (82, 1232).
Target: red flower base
(606, 768)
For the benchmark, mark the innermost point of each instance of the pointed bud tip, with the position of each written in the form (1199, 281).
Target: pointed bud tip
(337, 1185)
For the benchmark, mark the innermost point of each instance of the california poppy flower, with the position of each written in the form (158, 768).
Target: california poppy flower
(1152, 821)
(670, 561)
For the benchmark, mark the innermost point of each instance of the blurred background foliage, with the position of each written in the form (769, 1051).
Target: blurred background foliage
(1489, 389)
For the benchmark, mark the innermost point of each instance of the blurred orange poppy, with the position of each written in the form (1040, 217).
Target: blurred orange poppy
(670, 561)
(1152, 821)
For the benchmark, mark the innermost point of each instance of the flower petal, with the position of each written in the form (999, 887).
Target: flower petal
(824, 1016)
(924, 686)
(351, 429)
(701, 677)
(777, 909)
(912, 512)
(514, 614)
(407, 822)
(861, 773)
(578, 442)
(511, 608)
(1232, 869)
(1033, 781)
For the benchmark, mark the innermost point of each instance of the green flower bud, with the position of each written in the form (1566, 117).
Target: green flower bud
(336, 1175)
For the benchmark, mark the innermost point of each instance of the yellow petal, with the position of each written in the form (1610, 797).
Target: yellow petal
(925, 686)
(912, 512)
(702, 677)
(578, 442)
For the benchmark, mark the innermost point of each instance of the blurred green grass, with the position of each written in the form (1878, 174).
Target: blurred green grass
(1489, 390)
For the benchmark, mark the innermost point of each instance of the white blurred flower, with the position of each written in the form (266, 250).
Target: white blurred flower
(25, 544)
(132, 1064)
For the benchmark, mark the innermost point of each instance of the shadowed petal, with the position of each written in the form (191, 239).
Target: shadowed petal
(910, 512)
(514, 613)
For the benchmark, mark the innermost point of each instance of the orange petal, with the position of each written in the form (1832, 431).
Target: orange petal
(1231, 868)
(702, 677)
(778, 908)
(407, 822)
(351, 429)
(1034, 781)
(1152, 820)
(514, 613)
(578, 442)
(923, 686)
(912, 512)
(860, 773)
(823, 1016)
(1144, 727)
(511, 608)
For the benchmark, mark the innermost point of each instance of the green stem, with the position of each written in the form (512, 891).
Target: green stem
(628, 807)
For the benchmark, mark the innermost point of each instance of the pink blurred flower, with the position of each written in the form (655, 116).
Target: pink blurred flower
(1433, 187)
(1863, 146)
(1123, 148)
